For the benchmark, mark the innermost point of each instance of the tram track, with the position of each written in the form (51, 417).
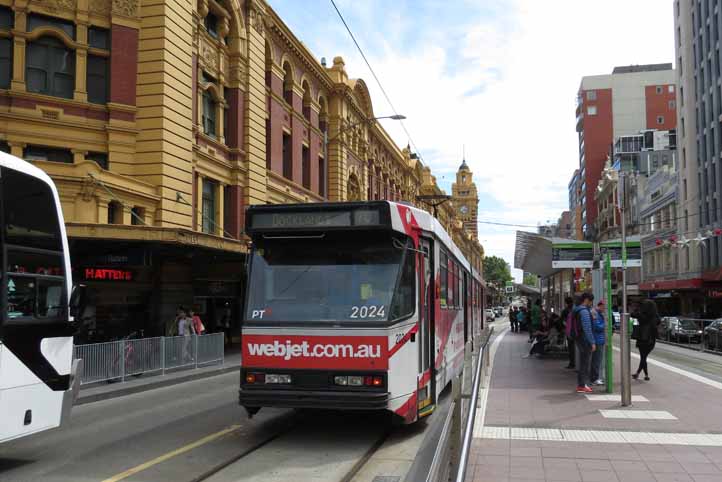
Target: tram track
(358, 466)
(244, 453)
(316, 445)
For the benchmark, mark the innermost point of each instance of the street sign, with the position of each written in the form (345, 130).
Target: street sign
(572, 255)
(614, 248)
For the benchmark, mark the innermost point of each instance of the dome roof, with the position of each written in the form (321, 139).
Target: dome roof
(463, 165)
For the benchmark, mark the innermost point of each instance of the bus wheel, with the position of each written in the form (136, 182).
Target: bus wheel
(252, 411)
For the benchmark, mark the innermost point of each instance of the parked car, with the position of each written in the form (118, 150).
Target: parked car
(489, 314)
(713, 335)
(498, 311)
(617, 323)
(679, 329)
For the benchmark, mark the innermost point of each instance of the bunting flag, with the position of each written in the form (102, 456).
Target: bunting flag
(681, 241)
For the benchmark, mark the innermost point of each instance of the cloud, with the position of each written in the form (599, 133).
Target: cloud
(498, 76)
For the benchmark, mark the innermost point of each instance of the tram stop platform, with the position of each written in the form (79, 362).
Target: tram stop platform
(532, 424)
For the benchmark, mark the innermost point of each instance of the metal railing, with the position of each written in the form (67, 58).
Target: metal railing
(695, 333)
(452, 452)
(118, 360)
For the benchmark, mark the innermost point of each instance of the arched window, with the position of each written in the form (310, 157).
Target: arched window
(321, 176)
(211, 24)
(306, 101)
(210, 107)
(50, 67)
(287, 83)
(209, 114)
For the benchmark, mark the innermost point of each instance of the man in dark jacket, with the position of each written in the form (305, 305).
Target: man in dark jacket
(584, 341)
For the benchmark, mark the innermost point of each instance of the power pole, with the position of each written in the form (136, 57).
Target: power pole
(625, 343)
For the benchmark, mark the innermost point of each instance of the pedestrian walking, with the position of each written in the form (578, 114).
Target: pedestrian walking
(599, 328)
(567, 316)
(535, 319)
(520, 315)
(198, 325)
(512, 320)
(226, 325)
(185, 329)
(584, 339)
(647, 334)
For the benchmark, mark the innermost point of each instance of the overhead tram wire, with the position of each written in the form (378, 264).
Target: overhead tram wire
(383, 91)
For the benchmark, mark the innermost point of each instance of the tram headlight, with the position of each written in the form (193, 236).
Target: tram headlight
(356, 381)
(340, 380)
(279, 379)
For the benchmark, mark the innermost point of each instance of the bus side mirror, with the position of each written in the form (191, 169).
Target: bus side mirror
(77, 300)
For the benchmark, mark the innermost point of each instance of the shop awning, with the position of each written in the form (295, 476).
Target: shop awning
(174, 236)
(527, 290)
(533, 253)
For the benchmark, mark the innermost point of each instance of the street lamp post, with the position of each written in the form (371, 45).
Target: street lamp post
(625, 347)
(326, 140)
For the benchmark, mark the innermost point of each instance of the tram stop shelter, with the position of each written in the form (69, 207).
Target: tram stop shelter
(534, 254)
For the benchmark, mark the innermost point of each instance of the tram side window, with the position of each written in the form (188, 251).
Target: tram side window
(451, 300)
(405, 297)
(443, 277)
(461, 290)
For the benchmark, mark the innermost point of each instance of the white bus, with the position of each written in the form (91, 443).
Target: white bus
(354, 306)
(38, 376)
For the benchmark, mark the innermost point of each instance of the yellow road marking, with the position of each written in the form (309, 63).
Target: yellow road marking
(170, 455)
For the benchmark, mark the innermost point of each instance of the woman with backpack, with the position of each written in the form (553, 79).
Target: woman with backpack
(647, 334)
(567, 317)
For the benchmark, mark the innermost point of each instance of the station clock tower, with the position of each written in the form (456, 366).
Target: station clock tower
(465, 199)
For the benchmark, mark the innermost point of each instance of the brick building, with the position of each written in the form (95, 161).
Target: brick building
(161, 122)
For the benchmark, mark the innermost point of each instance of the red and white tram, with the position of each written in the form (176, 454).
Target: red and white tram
(341, 312)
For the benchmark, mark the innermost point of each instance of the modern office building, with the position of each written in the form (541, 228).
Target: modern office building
(625, 102)
(698, 283)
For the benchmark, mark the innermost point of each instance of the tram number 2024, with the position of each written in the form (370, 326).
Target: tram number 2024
(368, 311)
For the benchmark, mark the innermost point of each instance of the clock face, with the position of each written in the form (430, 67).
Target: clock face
(464, 209)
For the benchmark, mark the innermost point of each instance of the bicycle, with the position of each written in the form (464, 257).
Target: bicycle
(128, 356)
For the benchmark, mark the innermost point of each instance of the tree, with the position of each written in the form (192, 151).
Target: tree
(531, 279)
(496, 270)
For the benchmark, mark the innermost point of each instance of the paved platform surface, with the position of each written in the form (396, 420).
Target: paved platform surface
(535, 427)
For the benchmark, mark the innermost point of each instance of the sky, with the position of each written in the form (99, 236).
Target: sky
(496, 78)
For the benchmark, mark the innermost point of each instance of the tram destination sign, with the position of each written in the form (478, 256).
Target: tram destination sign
(572, 255)
(315, 219)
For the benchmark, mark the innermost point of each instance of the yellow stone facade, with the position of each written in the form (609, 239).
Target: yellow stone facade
(207, 100)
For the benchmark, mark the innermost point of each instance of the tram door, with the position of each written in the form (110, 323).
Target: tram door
(426, 375)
